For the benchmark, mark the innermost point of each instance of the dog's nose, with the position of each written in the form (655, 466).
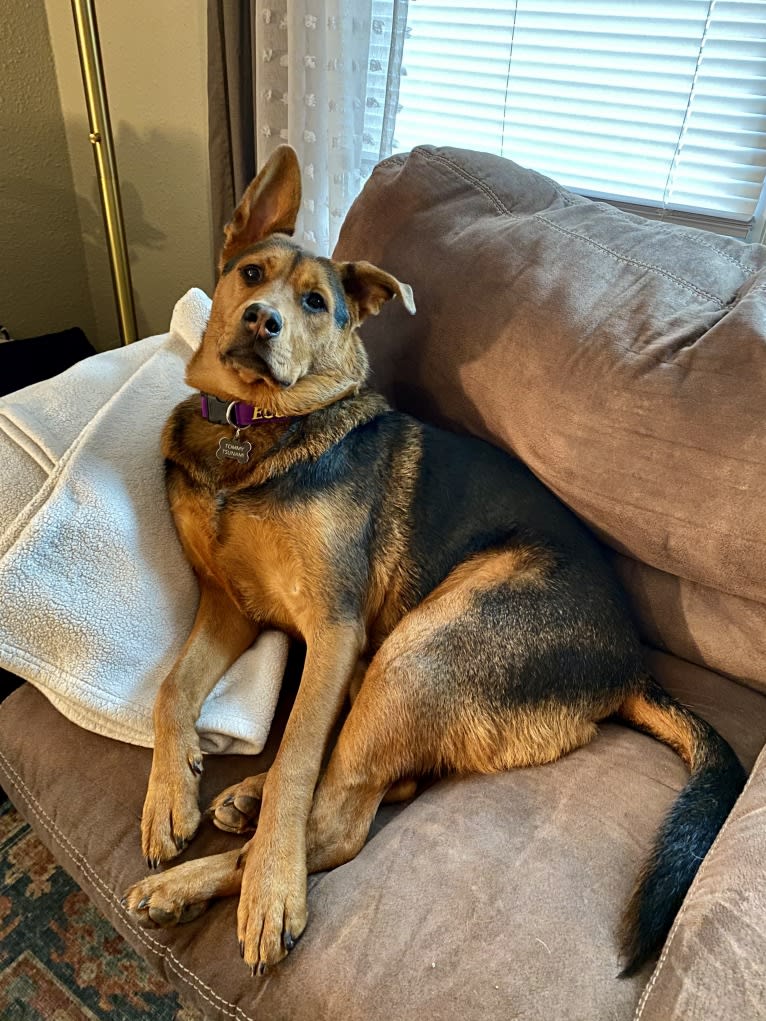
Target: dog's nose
(262, 320)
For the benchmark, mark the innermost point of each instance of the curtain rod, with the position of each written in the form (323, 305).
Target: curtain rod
(92, 67)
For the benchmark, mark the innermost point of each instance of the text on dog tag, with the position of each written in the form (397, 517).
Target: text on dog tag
(237, 450)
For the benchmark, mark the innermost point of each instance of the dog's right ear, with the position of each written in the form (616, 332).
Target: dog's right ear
(269, 206)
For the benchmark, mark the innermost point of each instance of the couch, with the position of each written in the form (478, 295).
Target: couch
(625, 361)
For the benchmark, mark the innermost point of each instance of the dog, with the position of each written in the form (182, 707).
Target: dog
(469, 615)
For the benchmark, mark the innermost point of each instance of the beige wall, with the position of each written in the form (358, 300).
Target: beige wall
(154, 54)
(56, 269)
(44, 285)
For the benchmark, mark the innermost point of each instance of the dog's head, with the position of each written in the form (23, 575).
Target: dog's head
(283, 325)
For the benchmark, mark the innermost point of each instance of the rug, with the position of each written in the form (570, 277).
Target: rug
(60, 960)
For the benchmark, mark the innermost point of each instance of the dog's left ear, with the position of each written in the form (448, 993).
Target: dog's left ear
(269, 206)
(369, 288)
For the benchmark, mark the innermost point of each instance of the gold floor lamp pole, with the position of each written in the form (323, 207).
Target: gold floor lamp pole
(103, 150)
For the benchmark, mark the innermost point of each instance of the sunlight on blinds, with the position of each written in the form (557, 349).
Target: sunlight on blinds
(657, 103)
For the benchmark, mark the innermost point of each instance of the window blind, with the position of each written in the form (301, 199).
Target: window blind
(657, 105)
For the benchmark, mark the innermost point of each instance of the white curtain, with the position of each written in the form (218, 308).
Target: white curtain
(326, 79)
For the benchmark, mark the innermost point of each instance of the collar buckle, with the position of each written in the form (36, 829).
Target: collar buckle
(238, 414)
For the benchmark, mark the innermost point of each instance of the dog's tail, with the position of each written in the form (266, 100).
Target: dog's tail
(691, 825)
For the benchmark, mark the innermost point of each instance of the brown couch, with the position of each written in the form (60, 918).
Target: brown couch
(625, 361)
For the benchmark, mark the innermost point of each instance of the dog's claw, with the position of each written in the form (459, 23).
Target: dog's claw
(261, 968)
(241, 948)
(123, 901)
(142, 903)
(229, 800)
(289, 941)
(195, 765)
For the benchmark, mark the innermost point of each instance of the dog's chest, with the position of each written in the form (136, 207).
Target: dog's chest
(264, 561)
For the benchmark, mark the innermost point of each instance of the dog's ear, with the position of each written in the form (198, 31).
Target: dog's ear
(368, 288)
(269, 206)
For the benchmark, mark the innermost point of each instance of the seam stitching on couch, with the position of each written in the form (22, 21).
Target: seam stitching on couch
(679, 281)
(567, 197)
(685, 906)
(498, 203)
(391, 160)
(747, 268)
(395, 158)
(164, 952)
(477, 184)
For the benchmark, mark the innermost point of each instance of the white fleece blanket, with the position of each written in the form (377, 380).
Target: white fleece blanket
(96, 597)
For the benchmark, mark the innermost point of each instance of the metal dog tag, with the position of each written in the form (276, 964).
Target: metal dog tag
(236, 449)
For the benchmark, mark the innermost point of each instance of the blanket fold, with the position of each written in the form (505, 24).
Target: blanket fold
(97, 597)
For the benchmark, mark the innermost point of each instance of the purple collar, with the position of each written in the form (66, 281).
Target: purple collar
(236, 413)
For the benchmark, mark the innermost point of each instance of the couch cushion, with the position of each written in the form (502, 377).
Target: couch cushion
(624, 360)
(484, 897)
(701, 624)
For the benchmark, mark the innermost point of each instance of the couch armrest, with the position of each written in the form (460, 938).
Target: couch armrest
(712, 965)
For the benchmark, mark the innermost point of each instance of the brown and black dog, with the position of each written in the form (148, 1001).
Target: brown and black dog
(432, 577)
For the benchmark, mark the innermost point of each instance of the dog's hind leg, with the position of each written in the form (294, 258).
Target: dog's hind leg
(447, 692)
(236, 809)
(386, 739)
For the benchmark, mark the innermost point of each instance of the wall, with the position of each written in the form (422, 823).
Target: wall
(44, 284)
(154, 54)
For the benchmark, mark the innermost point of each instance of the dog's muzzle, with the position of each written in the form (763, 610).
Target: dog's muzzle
(257, 346)
(262, 321)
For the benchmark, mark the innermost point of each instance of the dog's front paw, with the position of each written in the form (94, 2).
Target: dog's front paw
(171, 812)
(236, 809)
(272, 909)
(162, 900)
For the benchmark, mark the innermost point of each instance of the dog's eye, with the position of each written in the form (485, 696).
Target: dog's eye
(315, 302)
(252, 274)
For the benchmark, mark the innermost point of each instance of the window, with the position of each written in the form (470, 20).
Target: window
(657, 105)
